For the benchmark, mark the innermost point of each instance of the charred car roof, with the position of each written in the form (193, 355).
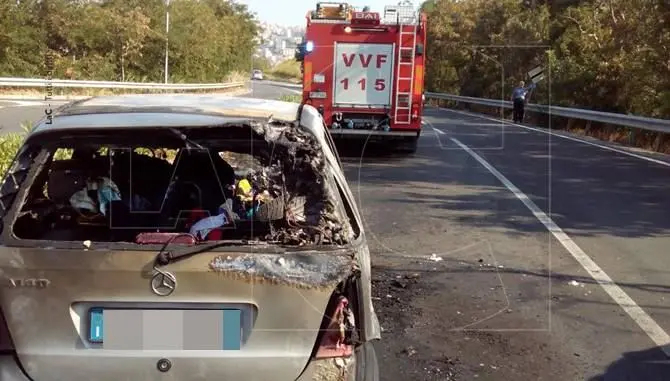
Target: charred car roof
(164, 110)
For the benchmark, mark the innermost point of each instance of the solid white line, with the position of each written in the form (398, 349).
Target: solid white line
(643, 320)
(613, 149)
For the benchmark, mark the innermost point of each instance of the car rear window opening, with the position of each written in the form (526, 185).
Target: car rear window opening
(252, 182)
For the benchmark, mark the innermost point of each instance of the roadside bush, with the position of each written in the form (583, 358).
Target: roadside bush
(9, 145)
(287, 70)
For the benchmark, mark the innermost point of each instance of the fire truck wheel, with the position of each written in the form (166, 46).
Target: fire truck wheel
(409, 146)
(367, 367)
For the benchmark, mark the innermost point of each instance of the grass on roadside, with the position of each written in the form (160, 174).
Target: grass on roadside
(288, 70)
(9, 145)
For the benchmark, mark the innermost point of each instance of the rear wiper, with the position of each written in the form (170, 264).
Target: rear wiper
(165, 257)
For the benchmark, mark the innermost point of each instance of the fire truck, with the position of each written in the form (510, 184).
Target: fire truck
(364, 71)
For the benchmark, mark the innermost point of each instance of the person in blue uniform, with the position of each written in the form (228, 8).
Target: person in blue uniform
(519, 100)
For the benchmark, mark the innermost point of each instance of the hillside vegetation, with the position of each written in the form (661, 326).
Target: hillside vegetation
(609, 55)
(125, 40)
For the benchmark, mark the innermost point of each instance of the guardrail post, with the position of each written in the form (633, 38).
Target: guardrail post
(658, 142)
(631, 136)
(587, 128)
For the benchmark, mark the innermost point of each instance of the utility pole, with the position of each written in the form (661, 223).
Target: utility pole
(167, 29)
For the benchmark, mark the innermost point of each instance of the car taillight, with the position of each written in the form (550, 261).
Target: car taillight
(415, 111)
(336, 329)
(6, 344)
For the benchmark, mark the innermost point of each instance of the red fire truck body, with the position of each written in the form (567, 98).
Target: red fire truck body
(364, 71)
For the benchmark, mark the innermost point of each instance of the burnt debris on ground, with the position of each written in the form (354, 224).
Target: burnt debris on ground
(404, 354)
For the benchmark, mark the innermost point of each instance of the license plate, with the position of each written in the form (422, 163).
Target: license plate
(317, 94)
(120, 329)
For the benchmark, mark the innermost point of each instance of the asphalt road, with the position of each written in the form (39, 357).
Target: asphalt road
(471, 285)
(507, 300)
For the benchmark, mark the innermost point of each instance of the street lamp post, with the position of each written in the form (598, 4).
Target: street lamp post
(167, 29)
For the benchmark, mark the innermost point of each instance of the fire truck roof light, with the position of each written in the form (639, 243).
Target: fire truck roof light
(365, 18)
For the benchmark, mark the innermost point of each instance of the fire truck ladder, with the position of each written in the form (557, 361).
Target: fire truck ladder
(403, 99)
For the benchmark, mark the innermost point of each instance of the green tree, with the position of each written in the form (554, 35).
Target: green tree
(125, 39)
(610, 55)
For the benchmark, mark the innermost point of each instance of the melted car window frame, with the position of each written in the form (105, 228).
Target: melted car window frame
(72, 140)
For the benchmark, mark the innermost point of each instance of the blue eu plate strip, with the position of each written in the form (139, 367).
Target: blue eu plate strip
(232, 335)
(96, 333)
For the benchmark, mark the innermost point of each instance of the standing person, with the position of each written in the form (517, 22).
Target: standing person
(519, 99)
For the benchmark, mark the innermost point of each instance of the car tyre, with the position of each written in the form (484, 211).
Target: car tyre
(367, 367)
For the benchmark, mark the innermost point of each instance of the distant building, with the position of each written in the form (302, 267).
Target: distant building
(289, 50)
(279, 42)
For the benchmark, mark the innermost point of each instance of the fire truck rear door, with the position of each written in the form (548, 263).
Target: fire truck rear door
(363, 74)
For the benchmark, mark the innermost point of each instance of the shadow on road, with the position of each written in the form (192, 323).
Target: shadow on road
(351, 151)
(648, 365)
(587, 191)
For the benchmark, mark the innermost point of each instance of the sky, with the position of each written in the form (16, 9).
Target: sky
(292, 12)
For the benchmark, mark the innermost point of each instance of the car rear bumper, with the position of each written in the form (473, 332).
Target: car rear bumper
(372, 135)
(316, 370)
(345, 131)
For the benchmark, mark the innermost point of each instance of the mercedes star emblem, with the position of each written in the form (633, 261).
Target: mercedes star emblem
(163, 283)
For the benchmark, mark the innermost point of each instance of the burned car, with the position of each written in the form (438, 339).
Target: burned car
(183, 237)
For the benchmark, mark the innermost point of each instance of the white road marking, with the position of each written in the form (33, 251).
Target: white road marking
(613, 149)
(643, 320)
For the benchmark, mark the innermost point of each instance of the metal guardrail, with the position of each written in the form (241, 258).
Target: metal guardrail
(643, 123)
(39, 82)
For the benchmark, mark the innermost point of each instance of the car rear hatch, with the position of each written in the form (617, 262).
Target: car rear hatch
(83, 304)
(80, 315)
